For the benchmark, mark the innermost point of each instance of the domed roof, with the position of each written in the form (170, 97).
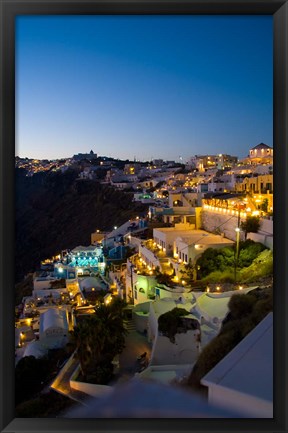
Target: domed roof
(91, 282)
(36, 349)
(262, 146)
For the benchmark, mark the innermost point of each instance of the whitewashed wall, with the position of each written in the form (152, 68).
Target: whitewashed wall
(185, 349)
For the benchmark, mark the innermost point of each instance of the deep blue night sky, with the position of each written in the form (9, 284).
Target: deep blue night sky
(143, 86)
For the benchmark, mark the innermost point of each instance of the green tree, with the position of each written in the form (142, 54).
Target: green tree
(215, 260)
(99, 338)
(250, 225)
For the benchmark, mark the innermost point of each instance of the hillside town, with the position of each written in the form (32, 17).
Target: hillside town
(156, 292)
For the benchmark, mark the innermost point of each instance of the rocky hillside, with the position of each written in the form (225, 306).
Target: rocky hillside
(54, 211)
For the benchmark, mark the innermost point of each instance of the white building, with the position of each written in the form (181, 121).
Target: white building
(165, 237)
(35, 348)
(193, 244)
(92, 284)
(43, 282)
(243, 379)
(261, 151)
(54, 328)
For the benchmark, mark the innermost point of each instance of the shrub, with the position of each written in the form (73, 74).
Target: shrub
(246, 311)
(249, 251)
(226, 276)
(101, 374)
(262, 266)
(240, 305)
(219, 347)
(170, 322)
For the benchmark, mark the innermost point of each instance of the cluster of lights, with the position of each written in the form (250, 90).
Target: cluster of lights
(243, 214)
(149, 267)
(218, 289)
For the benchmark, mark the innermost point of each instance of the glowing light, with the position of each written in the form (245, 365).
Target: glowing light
(240, 287)
(218, 288)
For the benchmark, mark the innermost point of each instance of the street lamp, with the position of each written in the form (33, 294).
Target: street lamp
(237, 251)
(132, 266)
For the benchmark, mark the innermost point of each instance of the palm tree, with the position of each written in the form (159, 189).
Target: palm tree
(99, 338)
(81, 336)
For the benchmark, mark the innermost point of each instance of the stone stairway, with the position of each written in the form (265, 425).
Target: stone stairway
(165, 266)
(130, 325)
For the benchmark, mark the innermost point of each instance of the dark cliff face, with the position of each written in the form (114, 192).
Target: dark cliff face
(55, 211)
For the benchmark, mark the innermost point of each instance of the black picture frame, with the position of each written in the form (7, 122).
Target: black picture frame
(9, 10)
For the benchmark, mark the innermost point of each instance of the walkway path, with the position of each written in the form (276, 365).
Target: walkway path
(62, 382)
(135, 345)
